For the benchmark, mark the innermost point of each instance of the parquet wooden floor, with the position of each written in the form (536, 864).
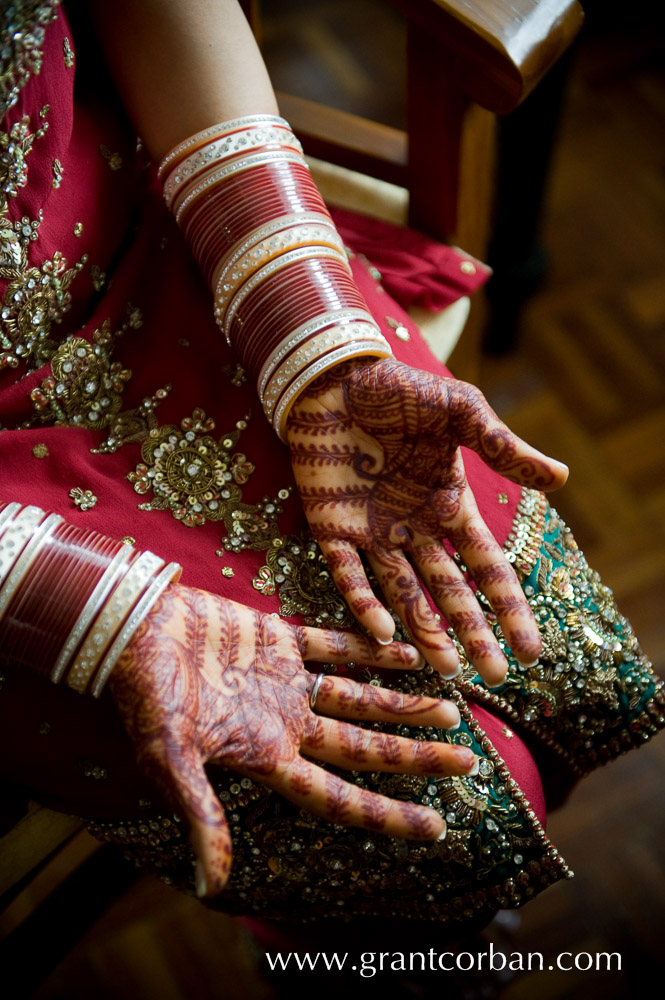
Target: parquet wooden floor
(585, 383)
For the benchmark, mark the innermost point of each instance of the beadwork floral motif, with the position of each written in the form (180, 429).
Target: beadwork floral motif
(189, 472)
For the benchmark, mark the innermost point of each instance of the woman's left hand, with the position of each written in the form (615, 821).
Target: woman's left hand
(375, 448)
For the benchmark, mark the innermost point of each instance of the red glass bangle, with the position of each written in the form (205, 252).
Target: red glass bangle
(287, 299)
(52, 595)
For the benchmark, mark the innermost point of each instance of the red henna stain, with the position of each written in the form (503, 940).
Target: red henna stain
(300, 778)
(374, 812)
(390, 751)
(338, 807)
(420, 821)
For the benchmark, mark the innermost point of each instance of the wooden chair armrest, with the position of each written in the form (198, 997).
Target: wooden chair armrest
(501, 48)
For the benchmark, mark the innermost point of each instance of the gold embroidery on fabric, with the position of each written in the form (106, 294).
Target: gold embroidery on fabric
(68, 53)
(254, 526)
(58, 173)
(297, 566)
(592, 694)
(40, 451)
(15, 146)
(36, 297)
(22, 27)
(132, 426)
(236, 374)
(83, 499)
(85, 387)
(195, 476)
(95, 771)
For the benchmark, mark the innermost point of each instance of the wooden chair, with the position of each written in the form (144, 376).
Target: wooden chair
(467, 62)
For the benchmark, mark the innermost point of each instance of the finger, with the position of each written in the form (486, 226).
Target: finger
(358, 749)
(404, 593)
(337, 801)
(351, 580)
(180, 772)
(478, 427)
(496, 578)
(346, 647)
(345, 698)
(453, 595)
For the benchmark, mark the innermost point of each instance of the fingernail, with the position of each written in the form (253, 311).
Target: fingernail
(455, 725)
(201, 884)
(474, 768)
(527, 666)
(383, 642)
(444, 832)
(455, 673)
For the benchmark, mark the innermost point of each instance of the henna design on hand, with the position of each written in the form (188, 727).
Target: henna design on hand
(375, 448)
(207, 680)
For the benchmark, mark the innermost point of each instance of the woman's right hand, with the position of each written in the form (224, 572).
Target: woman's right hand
(208, 680)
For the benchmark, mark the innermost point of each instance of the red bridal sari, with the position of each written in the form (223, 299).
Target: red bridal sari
(123, 410)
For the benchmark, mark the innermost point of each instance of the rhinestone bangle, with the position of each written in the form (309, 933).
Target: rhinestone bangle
(169, 574)
(110, 616)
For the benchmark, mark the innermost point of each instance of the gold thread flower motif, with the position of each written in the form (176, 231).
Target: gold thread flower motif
(191, 473)
(297, 566)
(35, 300)
(85, 387)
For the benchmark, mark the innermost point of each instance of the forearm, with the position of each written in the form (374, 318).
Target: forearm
(234, 176)
(181, 67)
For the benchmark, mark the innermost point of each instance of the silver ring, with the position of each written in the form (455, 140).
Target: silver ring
(315, 690)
